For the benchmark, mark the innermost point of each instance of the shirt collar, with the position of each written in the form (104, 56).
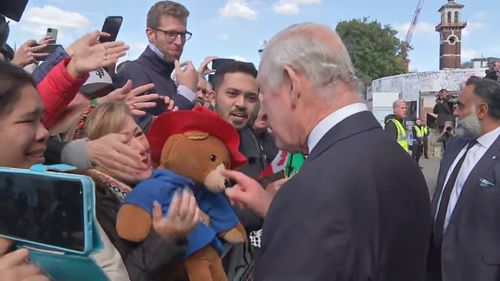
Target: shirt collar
(488, 139)
(156, 51)
(330, 121)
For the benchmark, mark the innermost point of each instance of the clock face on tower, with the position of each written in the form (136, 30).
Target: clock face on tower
(452, 39)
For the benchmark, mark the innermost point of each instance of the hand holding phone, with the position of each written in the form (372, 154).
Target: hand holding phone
(44, 211)
(204, 69)
(111, 26)
(30, 52)
(52, 33)
(14, 266)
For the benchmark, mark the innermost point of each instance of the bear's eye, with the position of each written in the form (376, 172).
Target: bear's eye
(213, 158)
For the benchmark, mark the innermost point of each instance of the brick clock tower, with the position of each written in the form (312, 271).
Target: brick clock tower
(450, 35)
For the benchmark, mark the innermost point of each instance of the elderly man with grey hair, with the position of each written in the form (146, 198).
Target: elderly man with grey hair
(359, 207)
(394, 124)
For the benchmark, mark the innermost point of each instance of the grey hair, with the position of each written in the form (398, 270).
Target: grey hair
(297, 48)
(396, 102)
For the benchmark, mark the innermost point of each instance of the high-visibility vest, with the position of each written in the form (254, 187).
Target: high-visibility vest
(402, 140)
(420, 131)
(426, 130)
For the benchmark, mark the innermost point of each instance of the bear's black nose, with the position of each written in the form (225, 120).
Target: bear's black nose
(228, 183)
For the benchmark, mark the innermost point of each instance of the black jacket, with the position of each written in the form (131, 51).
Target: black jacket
(249, 147)
(358, 210)
(150, 68)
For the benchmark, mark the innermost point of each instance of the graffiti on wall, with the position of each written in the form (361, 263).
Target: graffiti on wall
(410, 85)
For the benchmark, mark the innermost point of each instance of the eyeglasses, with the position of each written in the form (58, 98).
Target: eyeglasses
(171, 35)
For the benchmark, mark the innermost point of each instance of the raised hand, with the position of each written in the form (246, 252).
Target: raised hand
(170, 104)
(47, 40)
(186, 74)
(136, 99)
(204, 69)
(29, 53)
(89, 54)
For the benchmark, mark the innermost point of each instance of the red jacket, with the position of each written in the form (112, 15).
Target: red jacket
(57, 90)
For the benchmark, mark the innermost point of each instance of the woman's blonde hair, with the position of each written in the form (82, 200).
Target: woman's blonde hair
(106, 118)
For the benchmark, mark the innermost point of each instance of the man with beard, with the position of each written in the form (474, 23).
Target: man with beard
(465, 238)
(202, 92)
(237, 101)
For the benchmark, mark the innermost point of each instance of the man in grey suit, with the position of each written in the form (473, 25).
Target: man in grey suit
(466, 206)
(359, 208)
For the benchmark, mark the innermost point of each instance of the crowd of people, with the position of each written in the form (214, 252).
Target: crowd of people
(326, 193)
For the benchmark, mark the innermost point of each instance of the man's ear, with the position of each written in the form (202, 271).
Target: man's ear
(295, 84)
(482, 111)
(151, 35)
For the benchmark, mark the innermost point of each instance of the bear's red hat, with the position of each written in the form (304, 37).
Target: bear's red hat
(199, 119)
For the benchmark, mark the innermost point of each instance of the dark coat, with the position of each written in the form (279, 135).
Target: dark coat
(357, 210)
(444, 113)
(150, 68)
(249, 146)
(471, 242)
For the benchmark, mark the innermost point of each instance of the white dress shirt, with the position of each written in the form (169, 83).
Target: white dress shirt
(473, 156)
(330, 121)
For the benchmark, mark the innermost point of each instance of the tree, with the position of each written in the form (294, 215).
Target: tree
(375, 50)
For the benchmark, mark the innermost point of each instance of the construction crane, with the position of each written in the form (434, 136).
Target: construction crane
(407, 43)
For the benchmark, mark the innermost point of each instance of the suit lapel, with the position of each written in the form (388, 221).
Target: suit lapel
(482, 167)
(451, 154)
(352, 125)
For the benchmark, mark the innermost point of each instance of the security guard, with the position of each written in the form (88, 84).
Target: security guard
(419, 132)
(394, 124)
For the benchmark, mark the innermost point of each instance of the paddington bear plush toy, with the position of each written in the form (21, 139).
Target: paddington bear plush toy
(189, 148)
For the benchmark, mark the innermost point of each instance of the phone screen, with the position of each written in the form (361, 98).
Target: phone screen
(40, 209)
(112, 26)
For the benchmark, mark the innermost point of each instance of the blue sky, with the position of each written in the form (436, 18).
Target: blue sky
(236, 28)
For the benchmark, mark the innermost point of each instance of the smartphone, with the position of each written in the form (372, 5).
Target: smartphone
(217, 62)
(46, 211)
(52, 32)
(111, 25)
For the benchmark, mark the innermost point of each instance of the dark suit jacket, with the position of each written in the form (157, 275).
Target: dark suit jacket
(357, 210)
(471, 243)
(150, 68)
